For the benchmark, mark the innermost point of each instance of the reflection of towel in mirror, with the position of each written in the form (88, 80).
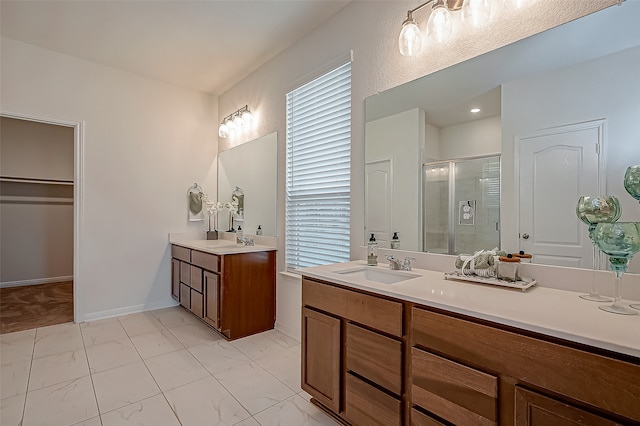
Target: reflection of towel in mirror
(481, 263)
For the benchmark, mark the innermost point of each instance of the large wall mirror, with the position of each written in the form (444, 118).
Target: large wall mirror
(249, 173)
(559, 117)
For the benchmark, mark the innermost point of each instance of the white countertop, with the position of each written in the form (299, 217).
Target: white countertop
(219, 247)
(557, 313)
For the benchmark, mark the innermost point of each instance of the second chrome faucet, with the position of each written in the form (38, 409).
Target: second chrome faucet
(398, 265)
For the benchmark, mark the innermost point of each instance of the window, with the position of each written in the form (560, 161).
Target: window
(318, 170)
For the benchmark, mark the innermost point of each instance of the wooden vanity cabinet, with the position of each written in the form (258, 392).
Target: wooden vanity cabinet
(352, 352)
(369, 359)
(233, 293)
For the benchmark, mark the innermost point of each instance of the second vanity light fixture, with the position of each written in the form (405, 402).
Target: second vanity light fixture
(235, 122)
(439, 26)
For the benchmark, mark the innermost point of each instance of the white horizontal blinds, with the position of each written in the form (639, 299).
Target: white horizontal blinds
(318, 170)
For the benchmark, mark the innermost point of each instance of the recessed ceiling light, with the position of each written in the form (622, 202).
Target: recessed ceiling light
(475, 110)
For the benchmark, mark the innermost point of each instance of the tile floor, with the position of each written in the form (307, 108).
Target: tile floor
(154, 368)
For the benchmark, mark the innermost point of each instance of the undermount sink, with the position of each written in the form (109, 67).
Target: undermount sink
(383, 276)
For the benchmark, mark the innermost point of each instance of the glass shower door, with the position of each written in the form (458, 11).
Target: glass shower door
(436, 207)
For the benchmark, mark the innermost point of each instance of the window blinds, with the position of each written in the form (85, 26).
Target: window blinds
(318, 170)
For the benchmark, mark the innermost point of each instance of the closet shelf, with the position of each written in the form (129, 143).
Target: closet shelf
(36, 180)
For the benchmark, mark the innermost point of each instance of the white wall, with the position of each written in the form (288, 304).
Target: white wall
(589, 92)
(474, 138)
(371, 30)
(144, 144)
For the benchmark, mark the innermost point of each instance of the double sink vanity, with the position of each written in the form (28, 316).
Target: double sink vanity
(383, 347)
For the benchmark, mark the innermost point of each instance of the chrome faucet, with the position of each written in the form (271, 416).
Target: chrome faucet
(397, 265)
(246, 241)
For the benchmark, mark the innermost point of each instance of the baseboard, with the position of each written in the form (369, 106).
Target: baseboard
(287, 330)
(36, 281)
(128, 310)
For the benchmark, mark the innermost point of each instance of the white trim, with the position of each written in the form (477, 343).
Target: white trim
(35, 281)
(288, 331)
(110, 313)
(318, 72)
(78, 200)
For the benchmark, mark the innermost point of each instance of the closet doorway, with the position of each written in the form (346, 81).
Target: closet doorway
(36, 224)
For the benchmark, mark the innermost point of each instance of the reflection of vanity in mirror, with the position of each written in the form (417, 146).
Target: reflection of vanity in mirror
(558, 119)
(250, 169)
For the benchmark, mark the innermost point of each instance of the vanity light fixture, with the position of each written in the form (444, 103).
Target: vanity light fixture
(439, 26)
(235, 122)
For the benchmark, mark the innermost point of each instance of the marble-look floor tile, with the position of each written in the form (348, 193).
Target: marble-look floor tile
(154, 344)
(219, 356)
(121, 386)
(111, 354)
(248, 422)
(175, 369)
(205, 402)
(294, 411)
(17, 347)
(63, 404)
(282, 339)
(254, 387)
(141, 323)
(195, 334)
(285, 366)
(91, 422)
(154, 411)
(14, 378)
(258, 346)
(175, 317)
(102, 331)
(297, 350)
(11, 410)
(56, 339)
(58, 368)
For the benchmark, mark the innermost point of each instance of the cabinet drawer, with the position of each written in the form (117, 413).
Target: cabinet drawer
(366, 405)
(207, 261)
(185, 295)
(375, 357)
(196, 278)
(185, 273)
(552, 366)
(181, 253)
(421, 419)
(197, 301)
(453, 391)
(375, 312)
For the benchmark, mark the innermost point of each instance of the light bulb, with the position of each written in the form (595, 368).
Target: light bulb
(439, 24)
(247, 118)
(223, 131)
(410, 40)
(231, 127)
(476, 12)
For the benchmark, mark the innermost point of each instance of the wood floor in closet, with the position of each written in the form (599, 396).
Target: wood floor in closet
(27, 307)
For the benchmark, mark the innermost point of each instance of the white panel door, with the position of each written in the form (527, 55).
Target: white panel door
(557, 166)
(378, 200)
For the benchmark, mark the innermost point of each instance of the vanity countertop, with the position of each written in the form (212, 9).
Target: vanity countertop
(219, 247)
(553, 312)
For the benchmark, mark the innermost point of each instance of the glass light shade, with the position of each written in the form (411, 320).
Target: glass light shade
(410, 40)
(632, 181)
(247, 118)
(514, 4)
(476, 13)
(223, 131)
(238, 122)
(231, 127)
(439, 25)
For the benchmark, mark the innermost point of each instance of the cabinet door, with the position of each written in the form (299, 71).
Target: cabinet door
(321, 357)
(534, 409)
(196, 303)
(185, 295)
(175, 279)
(367, 405)
(196, 278)
(211, 287)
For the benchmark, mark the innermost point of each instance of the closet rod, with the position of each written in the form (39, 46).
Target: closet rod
(36, 180)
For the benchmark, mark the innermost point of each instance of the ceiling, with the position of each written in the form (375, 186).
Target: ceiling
(203, 45)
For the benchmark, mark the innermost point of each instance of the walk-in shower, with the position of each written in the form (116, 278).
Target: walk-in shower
(461, 212)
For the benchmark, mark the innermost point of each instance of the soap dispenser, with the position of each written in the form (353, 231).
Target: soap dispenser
(259, 230)
(239, 235)
(395, 241)
(372, 251)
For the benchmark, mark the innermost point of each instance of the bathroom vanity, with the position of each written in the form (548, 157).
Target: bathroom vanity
(228, 286)
(426, 351)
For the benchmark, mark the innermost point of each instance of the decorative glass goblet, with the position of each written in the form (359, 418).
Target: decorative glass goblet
(593, 210)
(632, 181)
(620, 240)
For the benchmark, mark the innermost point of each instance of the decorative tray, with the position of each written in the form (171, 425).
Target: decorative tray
(523, 284)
